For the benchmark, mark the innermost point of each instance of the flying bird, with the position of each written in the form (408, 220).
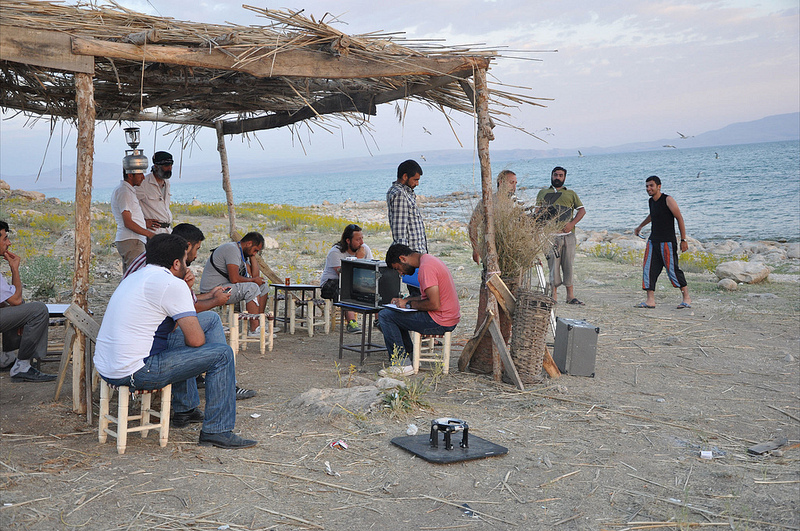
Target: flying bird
(699, 174)
(579, 153)
(423, 157)
(425, 129)
(684, 137)
(669, 145)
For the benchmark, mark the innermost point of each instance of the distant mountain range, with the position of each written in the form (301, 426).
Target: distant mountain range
(777, 128)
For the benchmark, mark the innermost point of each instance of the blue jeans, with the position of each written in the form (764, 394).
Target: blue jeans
(396, 325)
(180, 364)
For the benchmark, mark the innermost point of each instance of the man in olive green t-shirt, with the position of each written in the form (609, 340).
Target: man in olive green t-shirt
(560, 204)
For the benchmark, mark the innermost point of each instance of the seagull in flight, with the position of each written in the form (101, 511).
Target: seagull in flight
(684, 137)
(423, 158)
(669, 145)
(579, 153)
(425, 129)
(699, 174)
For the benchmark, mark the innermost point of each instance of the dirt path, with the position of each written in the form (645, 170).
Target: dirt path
(584, 453)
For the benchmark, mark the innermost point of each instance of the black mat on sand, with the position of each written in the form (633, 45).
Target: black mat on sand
(478, 448)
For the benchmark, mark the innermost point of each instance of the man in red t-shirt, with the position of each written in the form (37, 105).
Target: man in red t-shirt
(438, 310)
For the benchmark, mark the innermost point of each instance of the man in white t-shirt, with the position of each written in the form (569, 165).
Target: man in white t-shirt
(132, 233)
(133, 347)
(350, 246)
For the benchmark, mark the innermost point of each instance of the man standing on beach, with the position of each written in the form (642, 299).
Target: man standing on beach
(131, 231)
(133, 346)
(662, 246)
(23, 324)
(154, 196)
(438, 308)
(234, 265)
(559, 204)
(350, 246)
(405, 220)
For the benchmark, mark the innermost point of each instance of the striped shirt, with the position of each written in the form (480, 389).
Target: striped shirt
(404, 218)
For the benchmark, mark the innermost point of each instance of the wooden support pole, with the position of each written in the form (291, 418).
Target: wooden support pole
(84, 99)
(226, 177)
(485, 135)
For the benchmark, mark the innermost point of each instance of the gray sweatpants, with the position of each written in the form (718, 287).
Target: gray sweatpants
(34, 318)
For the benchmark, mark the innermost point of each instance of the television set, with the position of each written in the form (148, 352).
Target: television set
(368, 283)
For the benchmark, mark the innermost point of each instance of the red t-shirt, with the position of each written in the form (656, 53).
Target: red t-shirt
(433, 272)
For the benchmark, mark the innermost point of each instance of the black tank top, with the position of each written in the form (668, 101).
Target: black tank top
(663, 222)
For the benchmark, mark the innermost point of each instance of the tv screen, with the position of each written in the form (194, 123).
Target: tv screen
(367, 283)
(364, 282)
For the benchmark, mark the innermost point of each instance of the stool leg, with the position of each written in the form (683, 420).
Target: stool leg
(123, 396)
(242, 328)
(263, 328)
(326, 315)
(291, 311)
(310, 317)
(417, 338)
(147, 399)
(234, 333)
(166, 402)
(271, 330)
(448, 337)
(105, 398)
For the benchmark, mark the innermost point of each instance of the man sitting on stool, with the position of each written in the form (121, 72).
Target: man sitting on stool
(439, 309)
(15, 314)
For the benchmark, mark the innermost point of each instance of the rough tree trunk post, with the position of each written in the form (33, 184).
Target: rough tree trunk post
(226, 178)
(84, 99)
(485, 135)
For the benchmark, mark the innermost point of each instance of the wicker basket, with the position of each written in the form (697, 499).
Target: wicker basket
(531, 320)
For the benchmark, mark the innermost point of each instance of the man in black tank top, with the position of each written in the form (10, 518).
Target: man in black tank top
(662, 249)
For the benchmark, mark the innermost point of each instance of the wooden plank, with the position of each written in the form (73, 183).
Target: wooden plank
(506, 301)
(472, 344)
(66, 354)
(49, 49)
(293, 63)
(82, 321)
(550, 365)
(508, 364)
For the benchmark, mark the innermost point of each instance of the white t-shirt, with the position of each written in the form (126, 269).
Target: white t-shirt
(6, 290)
(334, 260)
(139, 317)
(124, 198)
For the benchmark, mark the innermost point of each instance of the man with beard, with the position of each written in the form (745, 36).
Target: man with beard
(661, 251)
(233, 265)
(351, 245)
(154, 196)
(405, 221)
(559, 205)
(133, 348)
(438, 307)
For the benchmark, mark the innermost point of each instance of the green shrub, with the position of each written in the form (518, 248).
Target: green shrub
(45, 276)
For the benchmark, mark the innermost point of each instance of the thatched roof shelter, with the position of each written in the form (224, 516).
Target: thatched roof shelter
(90, 62)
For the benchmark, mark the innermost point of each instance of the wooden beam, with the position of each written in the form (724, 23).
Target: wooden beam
(505, 299)
(291, 63)
(472, 344)
(49, 49)
(226, 178)
(508, 364)
(470, 92)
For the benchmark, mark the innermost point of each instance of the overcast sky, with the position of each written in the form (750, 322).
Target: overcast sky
(625, 71)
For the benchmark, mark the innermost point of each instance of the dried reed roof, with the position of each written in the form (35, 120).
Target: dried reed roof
(286, 69)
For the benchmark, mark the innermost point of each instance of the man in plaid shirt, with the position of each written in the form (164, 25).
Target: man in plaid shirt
(404, 218)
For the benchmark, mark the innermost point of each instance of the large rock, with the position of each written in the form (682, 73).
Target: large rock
(36, 197)
(65, 245)
(747, 272)
(5, 186)
(728, 284)
(630, 242)
(793, 250)
(270, 243)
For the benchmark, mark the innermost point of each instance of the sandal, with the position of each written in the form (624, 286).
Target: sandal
(683, 305)
(575, 301)
(643, 305)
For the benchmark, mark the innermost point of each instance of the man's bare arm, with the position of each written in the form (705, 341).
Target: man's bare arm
(192, 331)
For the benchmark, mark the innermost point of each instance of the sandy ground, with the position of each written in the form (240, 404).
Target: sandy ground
(617, 451)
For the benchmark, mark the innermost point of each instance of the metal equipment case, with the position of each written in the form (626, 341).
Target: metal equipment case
(575, 347)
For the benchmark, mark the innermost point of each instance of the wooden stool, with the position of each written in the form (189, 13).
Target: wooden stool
(310, 320)
(240, 326)
(122, 419)
(428, 350)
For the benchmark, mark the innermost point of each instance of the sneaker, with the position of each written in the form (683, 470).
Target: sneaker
(228, 440)
(255, 333)
(242, 393)
(33, 375)
(395, 370)
(352, 327)
(201, 381)
(181, 420)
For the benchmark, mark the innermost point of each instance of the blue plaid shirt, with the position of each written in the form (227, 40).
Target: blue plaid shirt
(404, 218)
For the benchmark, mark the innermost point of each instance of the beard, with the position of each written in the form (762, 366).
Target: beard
(408, 269)
(160, 173)
(556, 183)
(353, 249)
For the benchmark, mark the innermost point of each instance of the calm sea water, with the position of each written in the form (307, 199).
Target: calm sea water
(750, 192)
